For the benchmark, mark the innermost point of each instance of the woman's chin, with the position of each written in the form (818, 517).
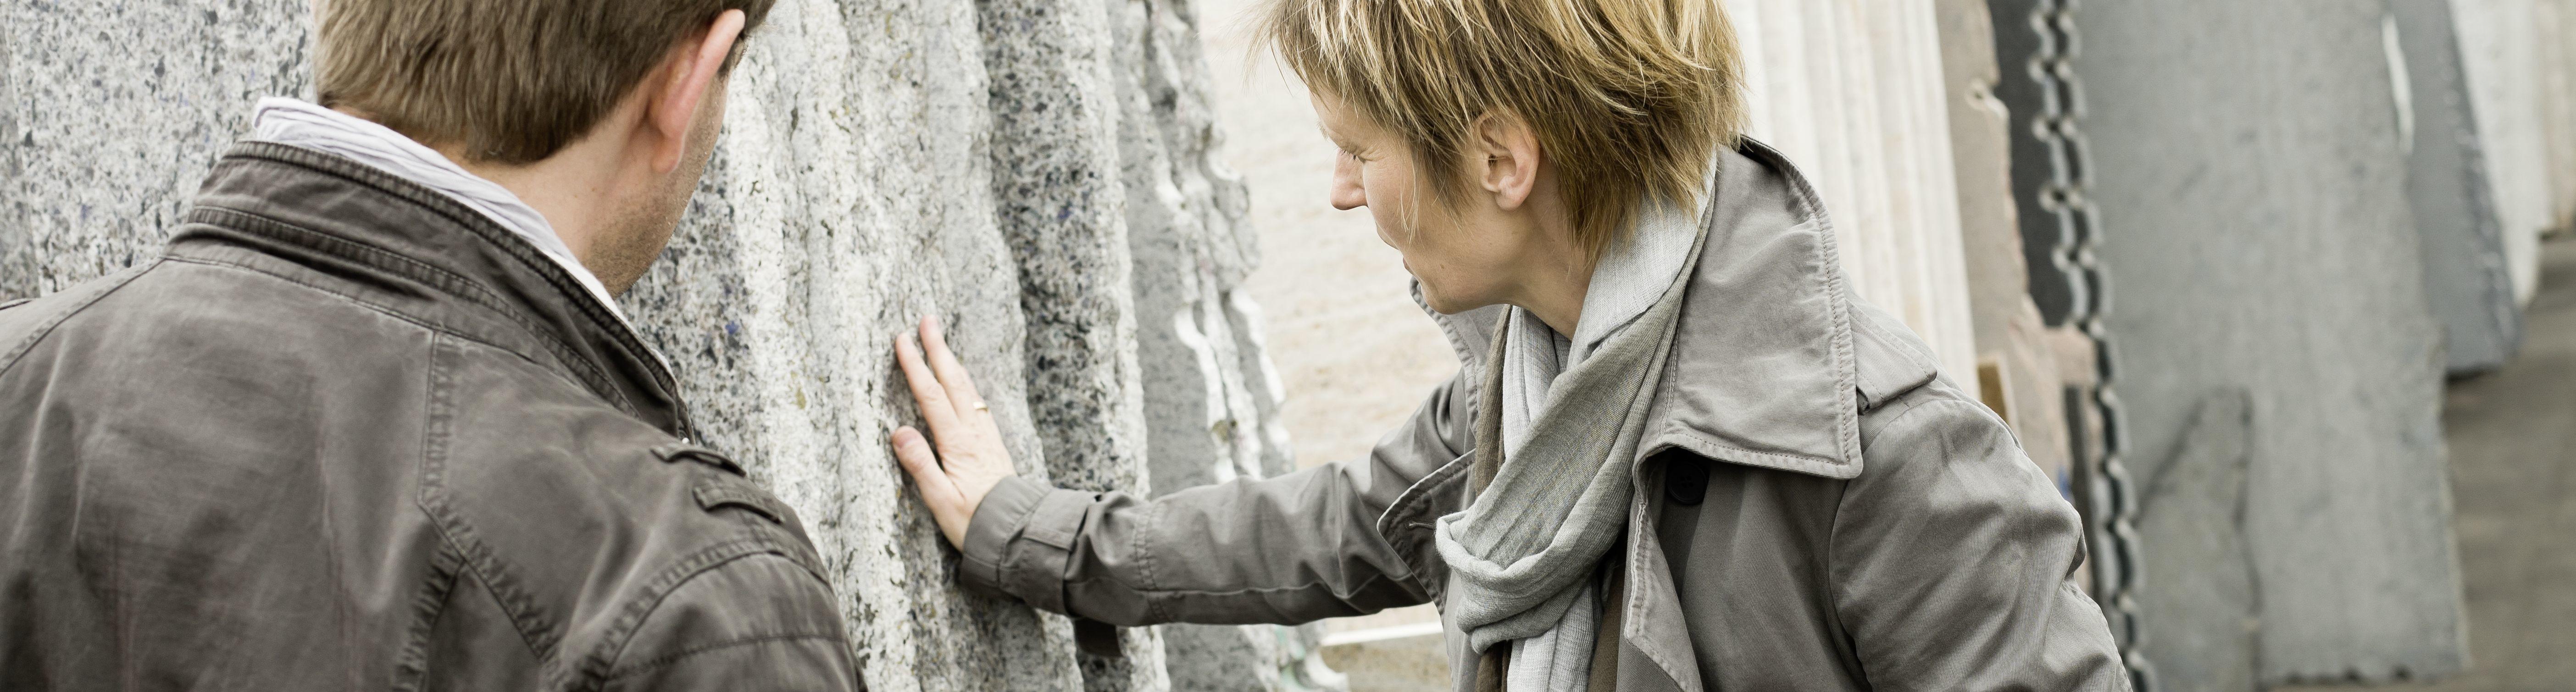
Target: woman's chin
(1443, 304)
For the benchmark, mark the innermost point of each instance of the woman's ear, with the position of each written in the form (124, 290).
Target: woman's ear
(1504, 157)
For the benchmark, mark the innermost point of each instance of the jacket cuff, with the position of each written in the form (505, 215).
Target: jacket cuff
(1020, 540)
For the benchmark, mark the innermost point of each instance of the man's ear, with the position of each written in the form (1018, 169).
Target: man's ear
(1505, 157)
(673, 112)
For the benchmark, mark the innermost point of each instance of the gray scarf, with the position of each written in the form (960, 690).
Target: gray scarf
(1558, 493)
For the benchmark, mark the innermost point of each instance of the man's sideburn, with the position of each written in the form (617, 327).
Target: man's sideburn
(642, 230)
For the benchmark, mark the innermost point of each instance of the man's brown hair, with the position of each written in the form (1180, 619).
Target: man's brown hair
(509, 81)
(1628, 98)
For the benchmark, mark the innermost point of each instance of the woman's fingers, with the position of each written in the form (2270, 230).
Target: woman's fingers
(938, 490)
(936, 409)
(961, 387)
(962, 457)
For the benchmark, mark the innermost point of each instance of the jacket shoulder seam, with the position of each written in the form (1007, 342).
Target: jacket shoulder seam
(631, 616)
(380, 309)
(1834, 576)
(462, 287)
(489, 231)
(117, 282)
(429, 606)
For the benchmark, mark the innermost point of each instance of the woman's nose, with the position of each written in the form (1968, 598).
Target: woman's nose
(1347, 192)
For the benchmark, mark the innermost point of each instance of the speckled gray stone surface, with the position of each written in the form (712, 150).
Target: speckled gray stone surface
(881, 161)
(1057, 195)
(1211, 399)
(2257, 235)
(103, 143)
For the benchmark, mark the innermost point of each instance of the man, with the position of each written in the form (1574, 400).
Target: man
(373, 420)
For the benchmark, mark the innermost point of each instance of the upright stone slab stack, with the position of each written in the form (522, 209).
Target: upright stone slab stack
(2018, 369)
(1212, 397)
(2555, 24)
(1037, 173)
(2279, 371)
(2499, 56)
(2466, 272)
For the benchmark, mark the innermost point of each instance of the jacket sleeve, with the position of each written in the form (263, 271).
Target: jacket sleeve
(1294, 548)
(760, 623)
(1952, 557)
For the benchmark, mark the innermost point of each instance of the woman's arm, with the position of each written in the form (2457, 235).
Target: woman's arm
(1295, 548)
(1951, 557)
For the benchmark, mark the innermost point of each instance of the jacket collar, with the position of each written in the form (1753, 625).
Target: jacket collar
(1776, 361)
(400, 247)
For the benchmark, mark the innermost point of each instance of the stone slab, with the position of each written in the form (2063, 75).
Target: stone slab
(2500, 57)
(2257, 235)
(2466, 271)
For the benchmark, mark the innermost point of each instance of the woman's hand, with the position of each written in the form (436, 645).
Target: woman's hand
(968, 458)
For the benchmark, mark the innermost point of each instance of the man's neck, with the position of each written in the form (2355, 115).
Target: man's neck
(567, 188)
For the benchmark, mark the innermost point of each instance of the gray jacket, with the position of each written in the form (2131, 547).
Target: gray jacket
(348, 434)
(1816, 510)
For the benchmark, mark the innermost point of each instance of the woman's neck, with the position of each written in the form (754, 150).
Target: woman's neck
(1554, 290)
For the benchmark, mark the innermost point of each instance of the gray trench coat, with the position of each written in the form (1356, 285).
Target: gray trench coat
(1816, 510)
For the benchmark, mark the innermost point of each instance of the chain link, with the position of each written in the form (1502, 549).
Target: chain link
(2107, 489)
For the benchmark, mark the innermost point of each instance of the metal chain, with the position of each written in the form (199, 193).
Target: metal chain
(2108, 489)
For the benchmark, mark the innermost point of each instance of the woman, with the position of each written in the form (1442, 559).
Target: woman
(1679, 455)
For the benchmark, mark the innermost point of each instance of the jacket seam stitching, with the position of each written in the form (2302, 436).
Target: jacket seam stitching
(1833, 540)
(369, 305)
(593, 375)
(1145, 562)
(1829, 249)
(1309, 585)
(553, 274)
(621, 632)
(18, 351)
(1416, 494)
(429, 608)
(477, 558)
(1777, 457)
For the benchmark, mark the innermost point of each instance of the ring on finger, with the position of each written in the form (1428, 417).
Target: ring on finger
(979, 406)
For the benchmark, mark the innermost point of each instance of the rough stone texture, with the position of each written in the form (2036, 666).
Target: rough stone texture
(2465, 268)
(2017, 371)
(1212, 400)
(1852, 92)
(2252, 188)
(102, 145)
(2498, 54)
(1037, 173)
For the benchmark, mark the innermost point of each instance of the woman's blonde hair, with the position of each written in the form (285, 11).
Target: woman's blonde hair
(1627, 97)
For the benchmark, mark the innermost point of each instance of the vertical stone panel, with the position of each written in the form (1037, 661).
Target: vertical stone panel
(2466, 271)
(106, 144)
(2251, 187)
(1212, 403)
(857, 145)
(2502, 65)
(2555, 24)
